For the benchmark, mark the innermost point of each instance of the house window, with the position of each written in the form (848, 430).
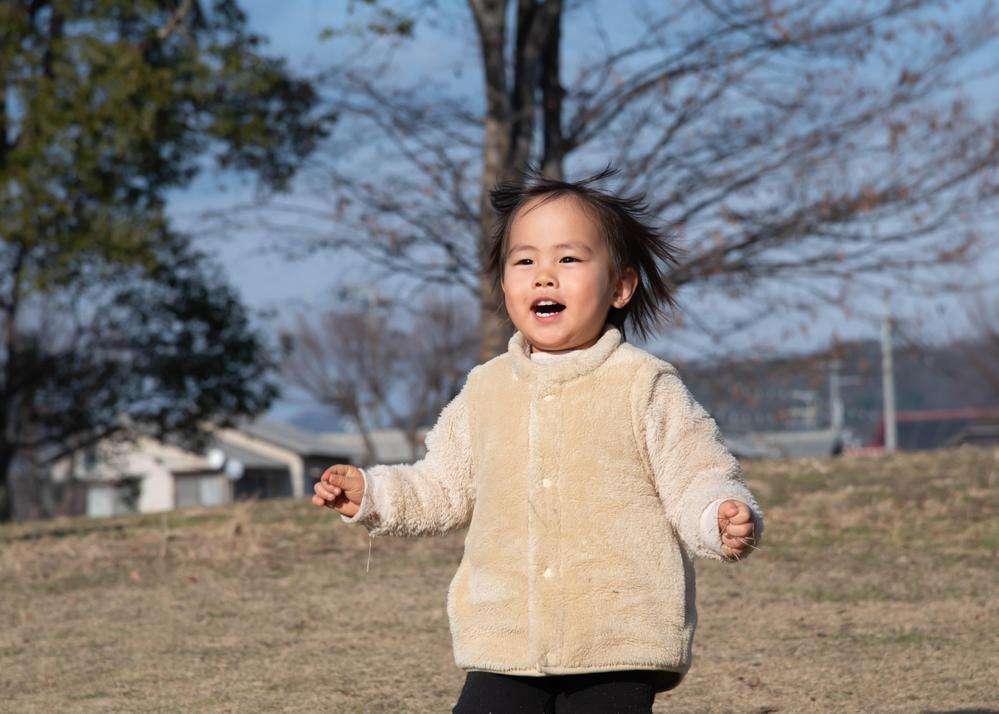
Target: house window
(112, 499)
(213, 490)
(100, 501)
(196, 490)
(263, 483)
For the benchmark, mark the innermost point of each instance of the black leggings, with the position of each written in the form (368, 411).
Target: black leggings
(630, 692)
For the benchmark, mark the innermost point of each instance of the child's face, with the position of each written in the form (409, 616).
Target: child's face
(556, 253)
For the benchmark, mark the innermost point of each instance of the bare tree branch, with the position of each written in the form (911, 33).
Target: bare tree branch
(379, 376)
(774, 138)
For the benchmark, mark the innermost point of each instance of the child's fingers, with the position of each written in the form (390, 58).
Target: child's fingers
(319, 501)
(742, 514)
(325, 491)
(337, 475)
(744, 529)
(733, 511)
(344, 478)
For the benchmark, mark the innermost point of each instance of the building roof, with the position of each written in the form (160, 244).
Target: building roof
(391, 445)
(777, 444)
(743, 448)
(249, 459)
(302, 442)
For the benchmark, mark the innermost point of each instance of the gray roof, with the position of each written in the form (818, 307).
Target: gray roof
(249, 459)
(743, 448)
(776, 444)
(391, 445)
(302, 442)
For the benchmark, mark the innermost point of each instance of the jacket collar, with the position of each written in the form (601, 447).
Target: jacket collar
(574, 365)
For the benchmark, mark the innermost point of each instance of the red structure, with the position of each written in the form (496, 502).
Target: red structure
(934, 428)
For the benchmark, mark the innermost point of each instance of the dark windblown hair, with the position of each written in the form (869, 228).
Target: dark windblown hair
(631, 240)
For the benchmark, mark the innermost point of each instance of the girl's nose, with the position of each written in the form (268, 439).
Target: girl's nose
(545, 279)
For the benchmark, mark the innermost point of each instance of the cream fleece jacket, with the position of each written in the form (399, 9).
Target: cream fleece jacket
(709, 533)
(582, 482)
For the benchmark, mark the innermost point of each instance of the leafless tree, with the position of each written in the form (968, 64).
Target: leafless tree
(359, 362)
(802, 150)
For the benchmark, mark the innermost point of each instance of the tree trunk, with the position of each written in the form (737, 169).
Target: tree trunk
(5, 456)
(509, 129)
(8, 393)
(490, 18)
(551, 97)
(3, 118)
(6, 497)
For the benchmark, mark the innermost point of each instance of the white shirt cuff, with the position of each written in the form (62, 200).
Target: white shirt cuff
(710, 535)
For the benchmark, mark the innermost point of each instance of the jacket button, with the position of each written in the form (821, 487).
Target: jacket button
(548, 572)
(546, 482)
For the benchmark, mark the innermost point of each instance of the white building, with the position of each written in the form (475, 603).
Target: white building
(259, 459)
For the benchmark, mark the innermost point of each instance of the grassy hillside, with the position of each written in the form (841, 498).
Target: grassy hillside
(874, 591)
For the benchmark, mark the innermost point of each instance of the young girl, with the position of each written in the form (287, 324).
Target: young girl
(585, 472)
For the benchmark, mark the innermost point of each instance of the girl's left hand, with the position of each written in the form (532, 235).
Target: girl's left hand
(736, 528)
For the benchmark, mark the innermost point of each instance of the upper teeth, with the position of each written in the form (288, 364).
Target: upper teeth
(547, 302)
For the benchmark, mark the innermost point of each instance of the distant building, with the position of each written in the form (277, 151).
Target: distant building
(940, 402)
(262, 458)
(936, 428)
(785, 444)
(391, 445)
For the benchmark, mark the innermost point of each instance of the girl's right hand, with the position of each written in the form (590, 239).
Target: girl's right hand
(340, 488)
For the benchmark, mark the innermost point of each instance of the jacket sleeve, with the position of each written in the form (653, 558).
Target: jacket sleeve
(692, 467)
(430, 497)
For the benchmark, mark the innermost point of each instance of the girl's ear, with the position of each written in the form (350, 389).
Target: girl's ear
(626, 285)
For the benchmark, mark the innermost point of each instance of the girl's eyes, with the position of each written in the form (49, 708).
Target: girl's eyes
(566, 259)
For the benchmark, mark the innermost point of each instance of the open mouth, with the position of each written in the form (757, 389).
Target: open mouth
(546, 308)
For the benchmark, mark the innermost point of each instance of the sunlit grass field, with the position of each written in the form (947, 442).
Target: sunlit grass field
(876, 590)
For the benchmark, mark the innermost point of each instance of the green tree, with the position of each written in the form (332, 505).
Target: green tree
(111, 322)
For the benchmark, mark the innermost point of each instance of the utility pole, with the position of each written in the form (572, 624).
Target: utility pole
(888, 382)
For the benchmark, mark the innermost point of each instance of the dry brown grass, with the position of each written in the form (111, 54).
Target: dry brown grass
(874, 592)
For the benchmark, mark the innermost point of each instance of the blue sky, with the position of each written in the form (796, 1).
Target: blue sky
(271, 284)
